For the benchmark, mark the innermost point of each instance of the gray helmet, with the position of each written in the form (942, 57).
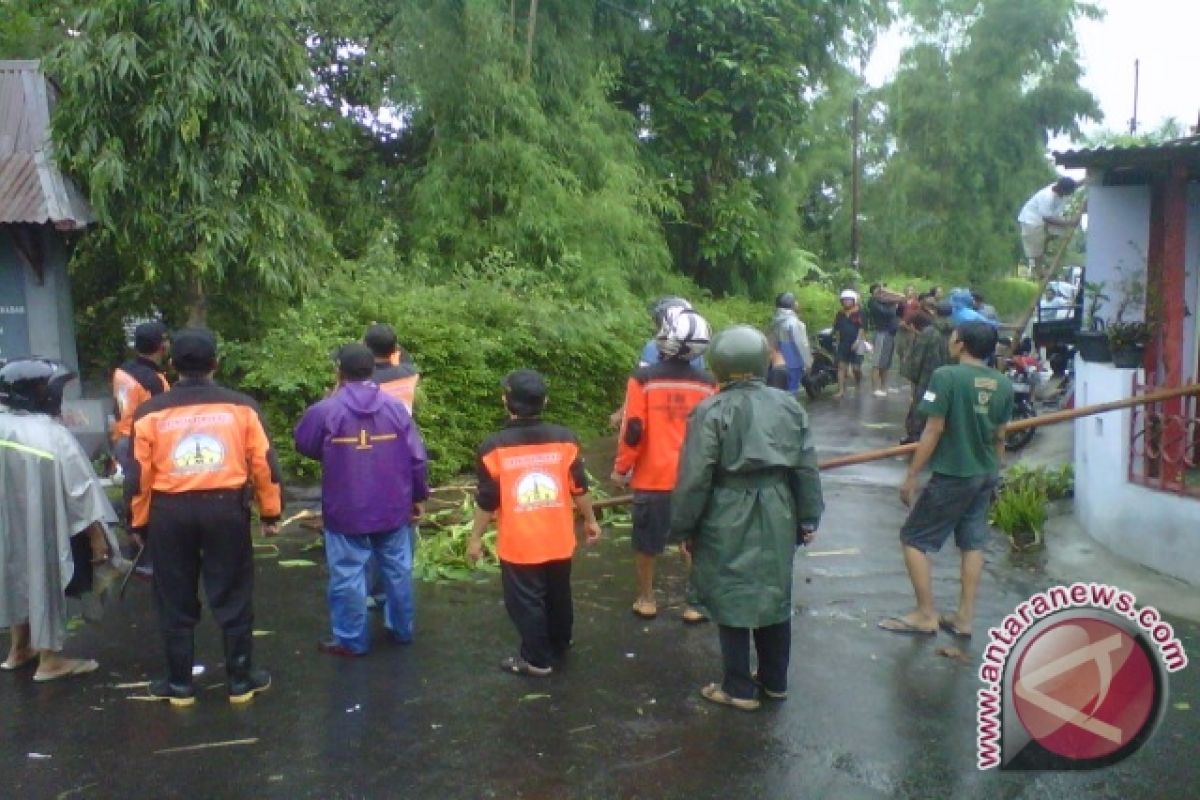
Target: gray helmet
(739, 353)
(34, 384)
(665, 304)
(786, 300)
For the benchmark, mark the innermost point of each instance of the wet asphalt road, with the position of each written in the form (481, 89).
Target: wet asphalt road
(871, 715)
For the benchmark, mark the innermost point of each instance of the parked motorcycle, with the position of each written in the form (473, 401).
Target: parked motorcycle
(823, 371)
(1025, 373)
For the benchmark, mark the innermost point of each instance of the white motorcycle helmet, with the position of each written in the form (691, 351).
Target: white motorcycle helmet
(684, 334)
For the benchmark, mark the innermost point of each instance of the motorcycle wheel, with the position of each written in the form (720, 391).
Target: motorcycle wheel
(1018, 439)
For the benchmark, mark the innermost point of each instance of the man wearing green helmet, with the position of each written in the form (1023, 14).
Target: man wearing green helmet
(747, 494)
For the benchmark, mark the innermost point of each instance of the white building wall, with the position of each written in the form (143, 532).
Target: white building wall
(1157, 529)
(1118, 237)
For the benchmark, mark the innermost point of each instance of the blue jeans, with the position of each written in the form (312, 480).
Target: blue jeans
(348, 557)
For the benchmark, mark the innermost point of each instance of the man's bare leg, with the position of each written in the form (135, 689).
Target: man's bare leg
(644, 564)
(925, 617)
(972, 570)
(19, 651)
(842, 369)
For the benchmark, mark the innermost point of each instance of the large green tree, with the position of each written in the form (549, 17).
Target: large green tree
(525, 153)
(725, 90)
(186, 122)
(969, 115)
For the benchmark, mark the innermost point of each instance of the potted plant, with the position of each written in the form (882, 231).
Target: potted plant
(1128, 340)
(1091, 340)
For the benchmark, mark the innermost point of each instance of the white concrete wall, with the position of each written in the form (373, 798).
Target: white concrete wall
(1157, 529)
(1118, 236)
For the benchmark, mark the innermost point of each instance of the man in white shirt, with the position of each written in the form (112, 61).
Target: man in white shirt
(1045, 208)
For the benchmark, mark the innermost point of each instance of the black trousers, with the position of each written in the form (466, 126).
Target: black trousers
(774, 646)
(194, 536)
(538, 600)
(914, 423)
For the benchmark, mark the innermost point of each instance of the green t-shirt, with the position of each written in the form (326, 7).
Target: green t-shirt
(974, 401)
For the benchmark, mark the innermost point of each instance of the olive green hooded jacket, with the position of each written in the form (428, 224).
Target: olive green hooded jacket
(747, 482)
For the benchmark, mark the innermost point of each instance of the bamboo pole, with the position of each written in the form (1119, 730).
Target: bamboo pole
(1190, 389)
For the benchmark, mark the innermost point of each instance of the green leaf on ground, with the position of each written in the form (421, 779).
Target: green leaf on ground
(1183, 706)
(535, 696)
(297, 562)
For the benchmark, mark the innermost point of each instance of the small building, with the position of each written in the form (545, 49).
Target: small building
(40, 209)
(41, 213)
(1137, 483)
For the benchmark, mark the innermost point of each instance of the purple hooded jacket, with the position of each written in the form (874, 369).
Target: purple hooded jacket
(372, 459)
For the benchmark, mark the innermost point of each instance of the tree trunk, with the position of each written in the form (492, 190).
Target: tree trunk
(533, 9)
(512, 20)
(198, 306)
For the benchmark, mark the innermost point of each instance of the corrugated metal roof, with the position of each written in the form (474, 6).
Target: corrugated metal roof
(32, 189)
(1186, 149)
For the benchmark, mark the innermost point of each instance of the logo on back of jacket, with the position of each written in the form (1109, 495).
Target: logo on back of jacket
(537, 490)
(198, 452)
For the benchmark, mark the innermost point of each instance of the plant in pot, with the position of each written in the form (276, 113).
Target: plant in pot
(1091, 339)
(1128, 340)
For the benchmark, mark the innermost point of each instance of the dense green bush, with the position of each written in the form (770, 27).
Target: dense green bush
(1010, 296)
(464, 337)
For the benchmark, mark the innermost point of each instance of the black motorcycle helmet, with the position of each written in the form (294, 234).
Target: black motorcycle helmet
(739, 353)
(786, 300)
(663, 305)
(34, 384)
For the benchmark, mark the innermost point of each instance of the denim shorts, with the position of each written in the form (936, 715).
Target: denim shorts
(951, 505)
(651, 521)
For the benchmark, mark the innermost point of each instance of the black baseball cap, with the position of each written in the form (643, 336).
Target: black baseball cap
(194, 350)
(525, 388)
(356, 362)
(149, 337)
(381, 338)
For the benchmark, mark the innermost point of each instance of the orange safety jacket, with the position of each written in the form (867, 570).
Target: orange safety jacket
(398, 381)
(529, 474)
(658, 401)
(201, 437)
(133, 383)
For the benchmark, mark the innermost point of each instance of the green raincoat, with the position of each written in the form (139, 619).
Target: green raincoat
(747, 482)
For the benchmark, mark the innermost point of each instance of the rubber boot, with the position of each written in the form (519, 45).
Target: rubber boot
(177, 686)
(244, 680)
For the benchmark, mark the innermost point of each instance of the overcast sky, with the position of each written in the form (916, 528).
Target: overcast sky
(1161, 33)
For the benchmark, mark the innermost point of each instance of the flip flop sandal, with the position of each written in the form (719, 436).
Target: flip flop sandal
(947, 624)
(13, 667)
(904, 628)
(519, 666)
(78, 668)
(715, 694)
(767, 693)
(691, 616)
(645, 610)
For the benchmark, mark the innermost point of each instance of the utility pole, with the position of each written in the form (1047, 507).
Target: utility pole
(854, 170)
(1137, 68)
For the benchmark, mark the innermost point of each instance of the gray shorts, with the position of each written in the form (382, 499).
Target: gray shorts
(950, 505)
(651, 521)
(885, 346)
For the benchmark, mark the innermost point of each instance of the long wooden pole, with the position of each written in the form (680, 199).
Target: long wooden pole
(1190, 389)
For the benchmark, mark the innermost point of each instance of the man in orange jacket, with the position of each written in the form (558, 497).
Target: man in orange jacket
(197, 450)
(531, 480)
(658, 400)
(135, 382)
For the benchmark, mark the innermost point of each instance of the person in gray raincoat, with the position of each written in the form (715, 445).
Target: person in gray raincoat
(748, 493)
(55, 522)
